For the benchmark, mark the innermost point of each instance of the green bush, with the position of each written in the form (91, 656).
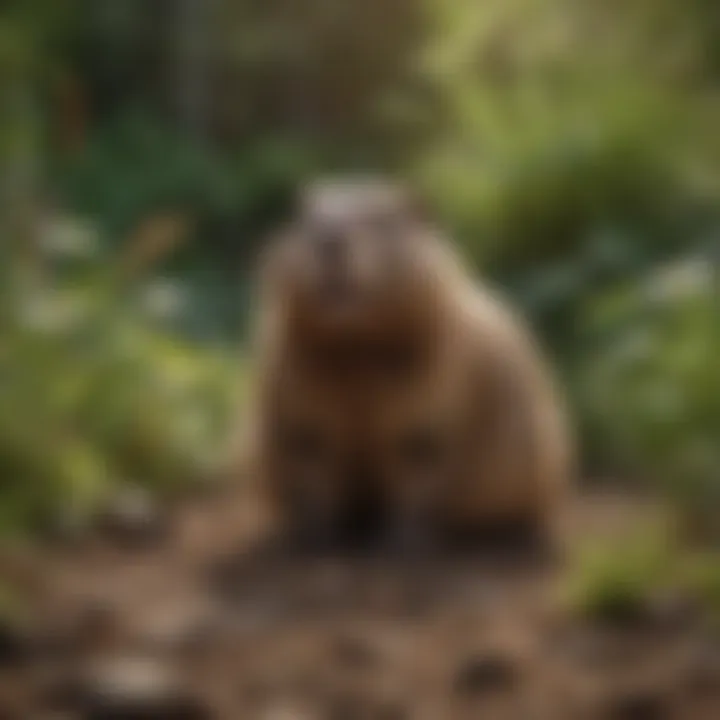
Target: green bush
(627, 577)
(648, 383)
(94, 394)
(137, 164)
(701, 577)
(568, 157)
(561, 200)
(616, 579)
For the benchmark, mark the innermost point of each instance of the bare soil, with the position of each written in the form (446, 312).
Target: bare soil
(225, 631)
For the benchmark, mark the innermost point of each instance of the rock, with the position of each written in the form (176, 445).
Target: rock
(133, 520)
(130, 689)
(486, 672)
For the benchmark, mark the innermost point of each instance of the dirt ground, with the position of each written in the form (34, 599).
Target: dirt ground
(195, 624)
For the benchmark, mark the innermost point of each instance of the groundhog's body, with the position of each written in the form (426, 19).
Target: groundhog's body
(444, 413)
(514, 454)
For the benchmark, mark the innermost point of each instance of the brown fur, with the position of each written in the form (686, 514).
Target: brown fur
(432, 397)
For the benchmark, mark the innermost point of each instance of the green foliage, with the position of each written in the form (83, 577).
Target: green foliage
(558, 198)
(553, 167)
(137, 165)
(648, 382)
(94, 394)
(615, 580)
(626, 578)
(571, 153)
(702, 578)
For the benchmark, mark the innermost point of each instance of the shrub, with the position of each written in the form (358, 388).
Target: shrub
(95, 393)
(648, 384)
(616, 579)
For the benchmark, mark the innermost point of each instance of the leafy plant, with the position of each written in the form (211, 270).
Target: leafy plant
(615, 579)
(648, 382)
(94, 393)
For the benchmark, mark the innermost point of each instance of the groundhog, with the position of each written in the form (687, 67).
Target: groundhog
(394, 391)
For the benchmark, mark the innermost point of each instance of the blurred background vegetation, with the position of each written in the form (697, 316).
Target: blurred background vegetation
(145, 148)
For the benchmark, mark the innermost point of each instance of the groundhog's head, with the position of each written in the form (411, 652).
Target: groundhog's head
(358, 253)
